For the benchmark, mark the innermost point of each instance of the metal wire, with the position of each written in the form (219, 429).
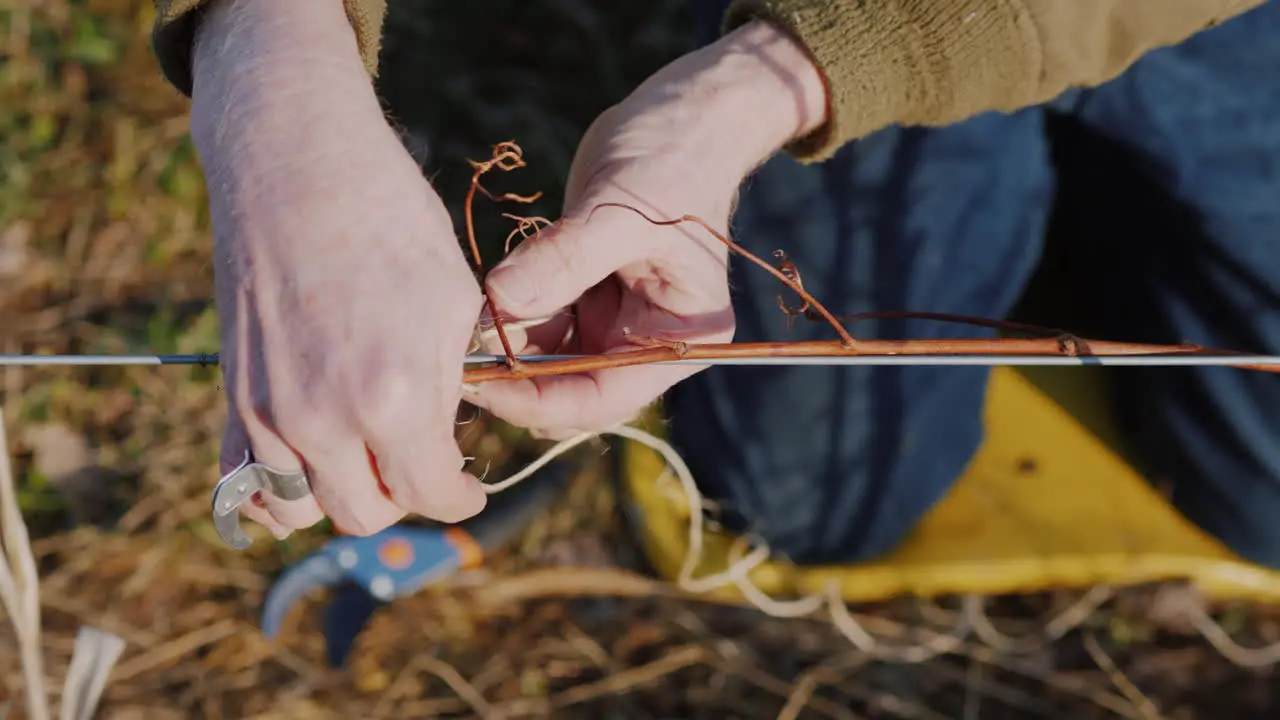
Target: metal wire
(994, 360)
(1170, 360)
(113, 360)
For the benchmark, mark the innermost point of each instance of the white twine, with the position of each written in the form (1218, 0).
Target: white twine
(973, 620)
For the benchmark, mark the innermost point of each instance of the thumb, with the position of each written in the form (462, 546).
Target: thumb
(552, 269)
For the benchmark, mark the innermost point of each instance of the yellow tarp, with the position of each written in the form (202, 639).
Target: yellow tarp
(1046, 503)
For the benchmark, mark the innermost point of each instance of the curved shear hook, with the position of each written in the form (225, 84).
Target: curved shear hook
(238, 486)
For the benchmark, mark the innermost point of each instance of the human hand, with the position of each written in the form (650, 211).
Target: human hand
(679, 144)
(345, 302)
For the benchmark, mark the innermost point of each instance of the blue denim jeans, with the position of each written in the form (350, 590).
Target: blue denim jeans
(1183, 225)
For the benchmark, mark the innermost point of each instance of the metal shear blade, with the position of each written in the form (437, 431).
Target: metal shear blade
(240, 485)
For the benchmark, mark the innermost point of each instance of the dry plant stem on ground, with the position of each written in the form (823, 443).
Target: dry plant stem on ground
(20, 588)
(507, 156)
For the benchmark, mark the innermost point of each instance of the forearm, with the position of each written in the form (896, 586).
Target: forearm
(282, 106)
(767, 88)
(934, 62)
(178, 21)
(738, 100)
(262, 54)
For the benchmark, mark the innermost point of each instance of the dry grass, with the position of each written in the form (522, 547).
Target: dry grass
(104, 246)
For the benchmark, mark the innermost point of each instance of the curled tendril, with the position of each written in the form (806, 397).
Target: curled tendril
(524, 227)
(789, 269)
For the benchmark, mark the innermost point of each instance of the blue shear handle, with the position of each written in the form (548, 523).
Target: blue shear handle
(401, 560)
(315, 571)
(397, 561)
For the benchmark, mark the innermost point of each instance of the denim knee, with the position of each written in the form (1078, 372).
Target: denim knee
(1196, 258)
(835, 464)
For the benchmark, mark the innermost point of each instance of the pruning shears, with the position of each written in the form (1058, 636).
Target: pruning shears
(370, 571)
(241, 485)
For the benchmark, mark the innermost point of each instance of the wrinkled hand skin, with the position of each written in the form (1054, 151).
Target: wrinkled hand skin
(680, 144)
(345, 302)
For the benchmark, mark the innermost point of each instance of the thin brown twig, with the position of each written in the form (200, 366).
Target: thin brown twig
(400, 687)
(651, 353)
(673, 661)
(619, 683)
(773, 684)
(582, 582)
(1140, 701)
(178, 647)
(804, 689)
(456, 682)
(507, 156)
(802, 694)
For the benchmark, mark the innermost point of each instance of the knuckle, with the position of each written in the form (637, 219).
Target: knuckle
(408, 493)
(387, 398)
(301, 423)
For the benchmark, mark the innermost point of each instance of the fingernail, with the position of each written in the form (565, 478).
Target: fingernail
(279, 531)
(511, 288)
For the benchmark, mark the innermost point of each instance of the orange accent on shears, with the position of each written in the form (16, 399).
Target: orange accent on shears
(470, 554)
(396, 553)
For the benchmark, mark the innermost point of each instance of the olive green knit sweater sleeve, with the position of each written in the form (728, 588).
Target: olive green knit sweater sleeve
(934, 62)
(174, 31)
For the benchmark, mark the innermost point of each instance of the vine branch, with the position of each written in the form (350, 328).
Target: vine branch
(507, 156)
